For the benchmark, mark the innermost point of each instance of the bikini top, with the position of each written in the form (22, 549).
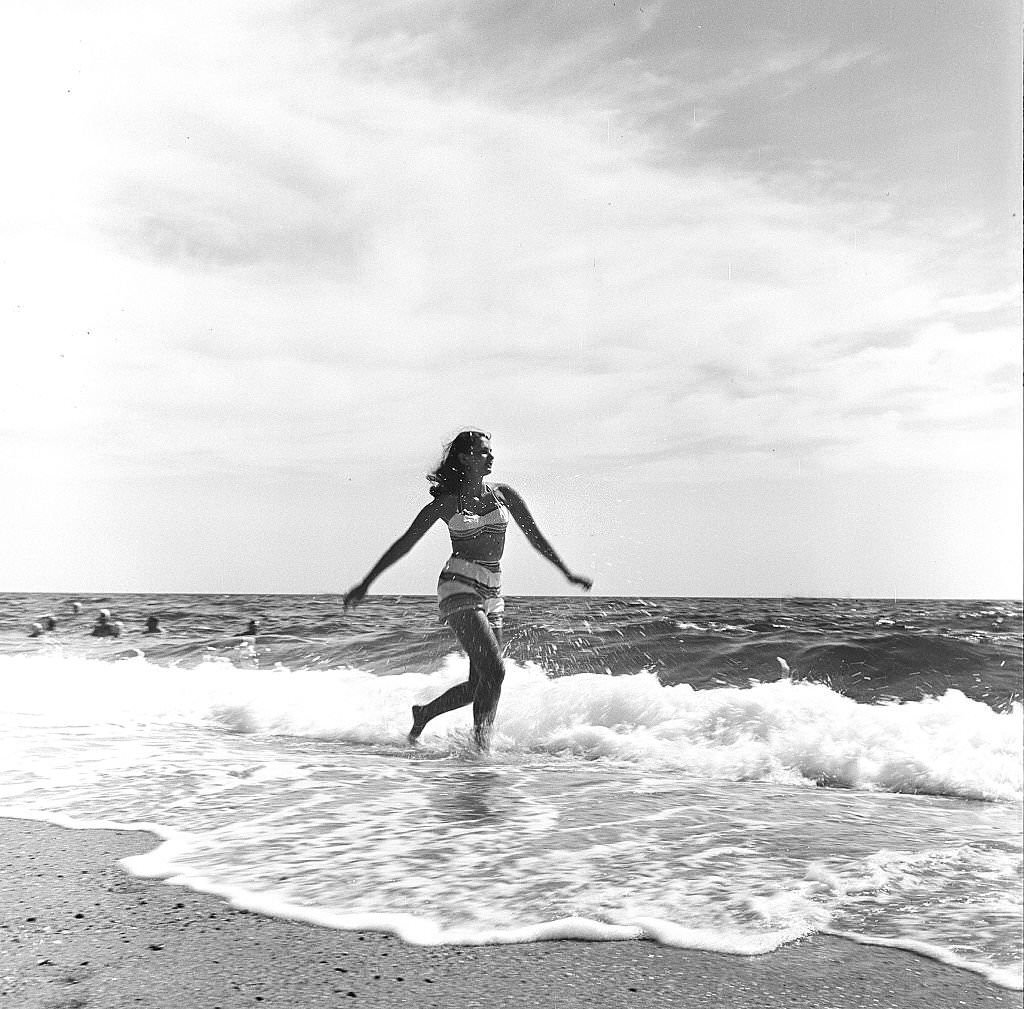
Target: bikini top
(484, 534)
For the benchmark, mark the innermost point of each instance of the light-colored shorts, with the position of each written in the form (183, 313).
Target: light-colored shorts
(470, 585)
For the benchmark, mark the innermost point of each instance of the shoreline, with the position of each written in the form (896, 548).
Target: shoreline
(77, 930)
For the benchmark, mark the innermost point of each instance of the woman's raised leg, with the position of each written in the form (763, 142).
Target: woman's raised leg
(454, 697)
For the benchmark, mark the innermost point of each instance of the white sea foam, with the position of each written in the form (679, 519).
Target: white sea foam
(168, 861)
(611, 807)
(1010, 977)
(782, 731)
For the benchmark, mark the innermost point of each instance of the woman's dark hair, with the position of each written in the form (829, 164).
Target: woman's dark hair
(449, 473)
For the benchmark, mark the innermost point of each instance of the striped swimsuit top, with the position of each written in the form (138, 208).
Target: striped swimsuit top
(480, 537)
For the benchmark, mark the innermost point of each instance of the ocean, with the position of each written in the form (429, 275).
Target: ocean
(720, 774)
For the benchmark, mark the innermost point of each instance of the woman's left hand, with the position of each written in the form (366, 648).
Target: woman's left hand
(581, 580)
(355, 594)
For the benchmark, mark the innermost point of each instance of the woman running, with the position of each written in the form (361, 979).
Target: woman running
(469, 587)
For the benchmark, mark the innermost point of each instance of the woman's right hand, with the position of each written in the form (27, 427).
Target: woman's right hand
(355, 594)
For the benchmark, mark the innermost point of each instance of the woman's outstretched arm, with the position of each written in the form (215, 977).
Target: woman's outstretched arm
(519, 511)
(428, 515)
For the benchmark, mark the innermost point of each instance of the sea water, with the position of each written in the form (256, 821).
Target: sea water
(717, 774)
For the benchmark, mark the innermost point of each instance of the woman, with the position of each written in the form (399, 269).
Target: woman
(469, 587)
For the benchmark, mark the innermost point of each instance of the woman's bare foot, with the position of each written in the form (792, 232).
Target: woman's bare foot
(419, 723)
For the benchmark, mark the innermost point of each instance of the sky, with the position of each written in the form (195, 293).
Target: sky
(735, 286)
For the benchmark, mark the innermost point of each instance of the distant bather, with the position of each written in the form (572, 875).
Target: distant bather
(103, 628)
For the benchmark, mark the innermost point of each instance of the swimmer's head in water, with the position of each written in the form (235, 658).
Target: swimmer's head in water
(104, 616)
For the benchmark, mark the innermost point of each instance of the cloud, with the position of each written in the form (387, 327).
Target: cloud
(264, 257)
(331, 227)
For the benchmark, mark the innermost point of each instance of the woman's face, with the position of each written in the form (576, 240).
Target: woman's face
(478, 461)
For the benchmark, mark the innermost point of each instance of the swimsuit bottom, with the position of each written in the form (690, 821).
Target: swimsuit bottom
(470, 585)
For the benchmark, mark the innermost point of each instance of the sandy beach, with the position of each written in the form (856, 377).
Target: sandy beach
(77, 930)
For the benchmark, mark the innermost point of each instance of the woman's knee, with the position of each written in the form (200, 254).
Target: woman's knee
(488, 690)
(490, 662)
(486, 669)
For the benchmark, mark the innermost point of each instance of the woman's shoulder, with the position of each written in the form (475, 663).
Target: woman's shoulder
(445, 505)
(504, 493)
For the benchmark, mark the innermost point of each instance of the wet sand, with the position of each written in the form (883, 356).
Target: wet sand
(76, 930)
